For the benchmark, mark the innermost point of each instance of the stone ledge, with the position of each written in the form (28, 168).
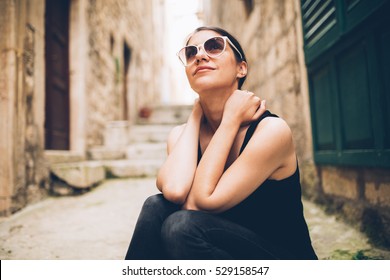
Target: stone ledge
(81, 174)
(149, 133)
(132, 168)
(57, 156)
(104, 153)
(146, 151)
(167, 114)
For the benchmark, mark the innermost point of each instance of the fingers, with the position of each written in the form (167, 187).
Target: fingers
(249, 93)
(260, 110)
(244, 106)
(260, 104)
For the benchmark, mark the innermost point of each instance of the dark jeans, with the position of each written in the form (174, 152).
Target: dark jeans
(164, 231)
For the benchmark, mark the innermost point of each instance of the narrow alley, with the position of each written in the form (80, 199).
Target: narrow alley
(92, 88)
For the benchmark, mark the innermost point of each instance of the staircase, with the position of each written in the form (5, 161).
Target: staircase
(140, 156)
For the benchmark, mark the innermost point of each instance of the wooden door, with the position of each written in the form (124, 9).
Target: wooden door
(57, 75)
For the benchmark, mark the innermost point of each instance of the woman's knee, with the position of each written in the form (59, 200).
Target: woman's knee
(154, 200)
(157, 203)
(179, 231)
(156, 207)
(152, 205)
(175, 224)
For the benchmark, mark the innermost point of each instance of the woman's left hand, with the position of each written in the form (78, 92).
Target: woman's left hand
(244, 107)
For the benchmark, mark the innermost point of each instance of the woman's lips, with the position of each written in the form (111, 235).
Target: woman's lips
(202, 68)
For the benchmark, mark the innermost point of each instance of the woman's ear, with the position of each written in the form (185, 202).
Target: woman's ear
(242, 69)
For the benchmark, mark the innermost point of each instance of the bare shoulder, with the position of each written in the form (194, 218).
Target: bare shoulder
(273, 144)
(275, 135)
(274, 127)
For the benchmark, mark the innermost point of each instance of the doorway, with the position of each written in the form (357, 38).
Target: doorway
(126, 64)
(57, 75)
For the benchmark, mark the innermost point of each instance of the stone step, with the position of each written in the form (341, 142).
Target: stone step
(149, 133)
(156, 150)
(104, 153)
(132, 168)
(79, 175)
(57, 156)
(167, 114)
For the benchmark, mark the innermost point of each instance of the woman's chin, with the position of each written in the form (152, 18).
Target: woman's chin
(201, 85)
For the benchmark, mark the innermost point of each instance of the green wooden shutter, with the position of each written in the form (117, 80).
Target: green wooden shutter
(347, 53)
(322, 109)
(355, 91)
(384, 54)
(319, 25)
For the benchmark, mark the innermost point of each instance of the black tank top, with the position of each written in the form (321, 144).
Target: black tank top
(274, 210)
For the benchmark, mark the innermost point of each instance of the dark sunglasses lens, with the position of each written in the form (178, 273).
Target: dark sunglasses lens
(190, 52)
(214, 46)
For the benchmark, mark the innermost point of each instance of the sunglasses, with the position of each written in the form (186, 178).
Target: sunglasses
(213, 47)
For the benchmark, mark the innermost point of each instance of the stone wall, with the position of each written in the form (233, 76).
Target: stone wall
(271, 33)
(111, 25)
(361, 196)
(7, 87)
(23, 175)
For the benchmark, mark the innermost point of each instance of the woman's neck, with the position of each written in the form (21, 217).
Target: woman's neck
(213, 103)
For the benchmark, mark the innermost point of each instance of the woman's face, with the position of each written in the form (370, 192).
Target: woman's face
(208, 73)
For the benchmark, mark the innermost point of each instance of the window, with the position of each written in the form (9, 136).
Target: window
(346, 44)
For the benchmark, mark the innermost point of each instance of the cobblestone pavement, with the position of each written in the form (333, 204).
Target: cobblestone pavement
(98, 226)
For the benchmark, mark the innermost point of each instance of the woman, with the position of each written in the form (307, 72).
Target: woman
(230, 184)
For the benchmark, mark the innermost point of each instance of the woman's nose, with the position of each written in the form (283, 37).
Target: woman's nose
(201, 54)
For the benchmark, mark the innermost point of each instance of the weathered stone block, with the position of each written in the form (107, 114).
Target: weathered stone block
(146, 151)
(285, 82)
(173, 114)
(149, 133)
(116, 135)
(340, 182)
(132, 168)
(309, 178)
(378, 194)
(55, 156)
(103, 153)
(80, 175)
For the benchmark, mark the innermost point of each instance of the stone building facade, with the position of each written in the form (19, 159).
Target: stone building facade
(68, 68)
(271, 33)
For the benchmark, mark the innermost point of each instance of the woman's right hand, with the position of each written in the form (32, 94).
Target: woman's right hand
(243, 107)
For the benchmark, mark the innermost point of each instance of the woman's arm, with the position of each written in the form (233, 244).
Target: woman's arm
(216, 190)
(176, 175)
